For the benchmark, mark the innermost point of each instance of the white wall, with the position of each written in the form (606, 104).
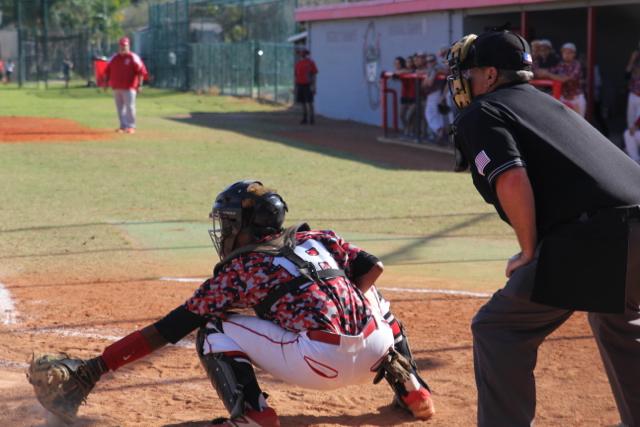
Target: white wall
(342, 49)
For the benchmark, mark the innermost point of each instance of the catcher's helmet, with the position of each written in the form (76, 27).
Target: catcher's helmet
(245, 205)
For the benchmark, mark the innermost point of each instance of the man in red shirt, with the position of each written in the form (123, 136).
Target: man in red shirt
(125, 73)
(305, 74)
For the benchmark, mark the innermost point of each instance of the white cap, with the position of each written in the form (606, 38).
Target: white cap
(569, 46)
(546, 42)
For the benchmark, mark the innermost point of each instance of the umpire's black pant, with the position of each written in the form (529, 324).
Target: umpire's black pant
(508, 330)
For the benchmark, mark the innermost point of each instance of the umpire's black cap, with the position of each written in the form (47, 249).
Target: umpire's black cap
(501, 49)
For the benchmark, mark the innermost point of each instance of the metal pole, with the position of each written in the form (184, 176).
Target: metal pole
(419, 112)
(277, 76)
(384, 106)
(18, 8)
(524, 23)
(45, 41)
(591, 60)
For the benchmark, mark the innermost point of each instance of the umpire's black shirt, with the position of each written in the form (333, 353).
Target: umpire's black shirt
(572, 167)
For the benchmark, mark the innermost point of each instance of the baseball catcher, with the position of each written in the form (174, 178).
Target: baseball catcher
(319, 321)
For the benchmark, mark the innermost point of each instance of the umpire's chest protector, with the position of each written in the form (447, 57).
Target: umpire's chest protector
(589, 264)
(580, 181)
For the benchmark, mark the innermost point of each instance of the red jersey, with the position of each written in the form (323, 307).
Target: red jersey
(408, 88)
(305, 69)
(334, 305)
(123, 71)
(572, 69)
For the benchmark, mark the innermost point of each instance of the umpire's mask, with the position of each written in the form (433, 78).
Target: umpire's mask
(501, 49)
(458, 79)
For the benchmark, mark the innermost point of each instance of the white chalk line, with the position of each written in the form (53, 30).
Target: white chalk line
(7, 307)
(8, 364)
(83, 333)
(408, 290)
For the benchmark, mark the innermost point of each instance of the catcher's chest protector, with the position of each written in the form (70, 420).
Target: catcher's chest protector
(308, 262)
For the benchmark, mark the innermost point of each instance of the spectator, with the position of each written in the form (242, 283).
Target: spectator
(407, 96)
(411, 65)
(420, 60)
(2, 71)
(632, 140)
(125, 73)
(8, 72)
(305, 79)
(535, 49)
(544, 57)
(633, 74)
(67, 66)
(569, 72)
(434, 85)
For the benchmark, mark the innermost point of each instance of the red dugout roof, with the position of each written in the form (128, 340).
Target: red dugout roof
(366, 9)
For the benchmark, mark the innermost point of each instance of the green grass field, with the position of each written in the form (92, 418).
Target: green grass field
(154, 191)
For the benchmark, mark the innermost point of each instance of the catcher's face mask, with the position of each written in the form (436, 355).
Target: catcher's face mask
(224, 232)
(459, 79)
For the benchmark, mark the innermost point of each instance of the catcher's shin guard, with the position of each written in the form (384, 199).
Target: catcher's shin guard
(402, 346)
(231, 375)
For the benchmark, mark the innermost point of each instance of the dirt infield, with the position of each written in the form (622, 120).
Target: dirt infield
(15, 129)
(169, 388)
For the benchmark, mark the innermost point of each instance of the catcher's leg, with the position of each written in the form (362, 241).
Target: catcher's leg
(412, 393)
(234, 379)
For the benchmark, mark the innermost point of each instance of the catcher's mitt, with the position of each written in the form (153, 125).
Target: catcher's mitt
(394, 367)
(61, 383)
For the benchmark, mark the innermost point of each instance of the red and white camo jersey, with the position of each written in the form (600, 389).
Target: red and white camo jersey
(334, 305)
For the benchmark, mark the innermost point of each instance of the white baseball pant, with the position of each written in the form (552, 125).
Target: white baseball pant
(126, 107)
(316, 360)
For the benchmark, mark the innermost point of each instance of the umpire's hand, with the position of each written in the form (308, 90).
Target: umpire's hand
(517, 261)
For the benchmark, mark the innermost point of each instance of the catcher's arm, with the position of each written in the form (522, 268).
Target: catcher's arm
(62, 383)
(365, 270)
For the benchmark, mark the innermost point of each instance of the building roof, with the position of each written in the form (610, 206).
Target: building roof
(372, 8)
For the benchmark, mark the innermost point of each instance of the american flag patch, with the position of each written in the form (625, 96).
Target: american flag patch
(482, 160)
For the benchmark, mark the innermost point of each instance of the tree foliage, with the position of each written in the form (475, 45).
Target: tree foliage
(68, 16)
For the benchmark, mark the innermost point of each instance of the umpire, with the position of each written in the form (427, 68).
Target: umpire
(572, 200)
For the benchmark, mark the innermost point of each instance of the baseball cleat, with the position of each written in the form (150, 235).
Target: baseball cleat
(252, 418)
(419, 403)
(130, 130)
(120, 130)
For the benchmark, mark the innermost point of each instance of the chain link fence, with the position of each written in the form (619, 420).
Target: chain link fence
(234, 47)
(48, 49)
(257, 69)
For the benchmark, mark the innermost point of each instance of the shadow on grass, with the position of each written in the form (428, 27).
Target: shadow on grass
(338, 138)
(399, 255)
(200, 220)
(83, 92)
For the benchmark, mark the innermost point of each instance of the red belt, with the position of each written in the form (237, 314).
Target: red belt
(331, 338)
